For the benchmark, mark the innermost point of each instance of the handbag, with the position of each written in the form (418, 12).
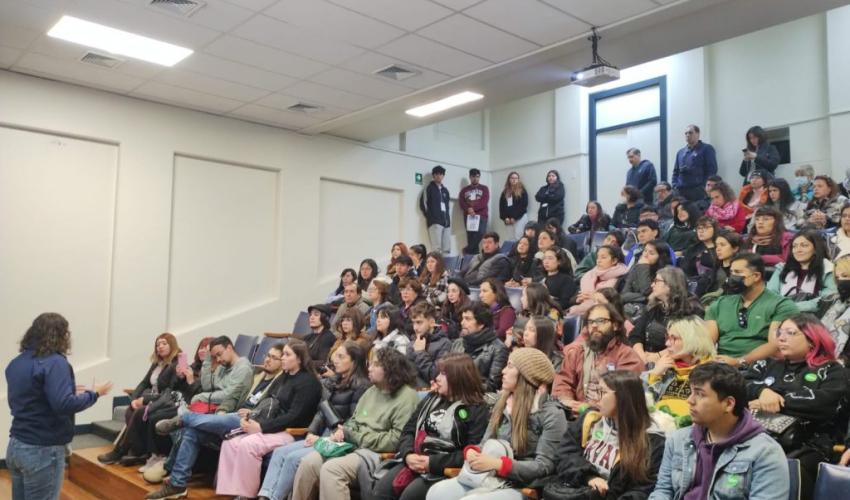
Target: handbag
(486, 480)
(557, 489)
(332, 449)
(785, 429)
(332, 418)
(266, 409)
(163, 407)
(203, 407)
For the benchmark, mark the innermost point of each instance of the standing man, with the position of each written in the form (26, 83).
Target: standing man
(641, 174)
(434, 203)
(474, 200)
(695, 163)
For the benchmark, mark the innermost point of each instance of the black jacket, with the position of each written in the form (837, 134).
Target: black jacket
(343, 399)
(517, 209)
(696, 254)
(167, 379)
(551, 199)
(521, 268)
(319, 345)
(436, 346)
(767, 158)
(584, 224)
(562, 287)
(432, 201)
(625, 216)
(298, 396)
(489, 354)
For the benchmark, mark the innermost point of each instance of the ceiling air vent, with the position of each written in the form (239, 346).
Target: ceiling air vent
(183, 8)
(304, 108)
(101, 60)
(396, 72)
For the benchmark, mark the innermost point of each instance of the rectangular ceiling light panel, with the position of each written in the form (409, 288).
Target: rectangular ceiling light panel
(117, 41)
(444, 104)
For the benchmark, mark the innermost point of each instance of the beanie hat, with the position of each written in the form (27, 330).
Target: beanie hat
(533, 365)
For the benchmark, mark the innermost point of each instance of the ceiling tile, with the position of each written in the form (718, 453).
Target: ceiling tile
(8, 55)
(328, 96)
(269, 116)
(210, 85)
(360, 84)
(458, 4)
(295, 40)
(185, 97)
(76, 72)
(255, 5)
(408, 14)
(533, 21)
(60, 49)
(602, 12)
(327, 20)
(370, 62)
(432, 55)
(262, 56)
(235, 72)
(218, 15)
(283, 102)
(17, 36)
(477, 38)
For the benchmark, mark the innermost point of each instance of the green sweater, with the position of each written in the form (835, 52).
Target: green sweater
(379, 418)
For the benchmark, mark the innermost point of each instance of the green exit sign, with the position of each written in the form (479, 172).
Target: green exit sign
(418, 178)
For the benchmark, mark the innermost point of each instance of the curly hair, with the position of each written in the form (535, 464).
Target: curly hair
(398, 371)
(48, 334)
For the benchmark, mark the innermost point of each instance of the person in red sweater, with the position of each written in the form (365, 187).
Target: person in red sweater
(474, 200)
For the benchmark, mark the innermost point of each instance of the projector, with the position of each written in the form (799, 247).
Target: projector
(596, 74)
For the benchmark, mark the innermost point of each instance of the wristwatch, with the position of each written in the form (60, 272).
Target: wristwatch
(742, 362)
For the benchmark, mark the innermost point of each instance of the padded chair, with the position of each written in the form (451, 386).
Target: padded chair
(464, 262)
(794, 476)
(302, 324)
(474, 293)
(263, 347)
(451, 262)
(572, 327)
(597, 239)
(580, 240)
(244, 345)
(515, 296)
(506, 247)
(833, 482)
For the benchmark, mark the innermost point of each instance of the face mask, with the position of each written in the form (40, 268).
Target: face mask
(843, 288)
(801, 181)
(734, 285)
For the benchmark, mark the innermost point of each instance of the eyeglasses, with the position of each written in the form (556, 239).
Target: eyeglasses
(598, 321)
(658, 280)
(273, 358)
(786, 332)
(742, 317)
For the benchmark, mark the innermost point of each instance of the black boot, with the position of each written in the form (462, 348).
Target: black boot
(112, 456)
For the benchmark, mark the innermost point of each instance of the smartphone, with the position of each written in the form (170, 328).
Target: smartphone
(182, 364)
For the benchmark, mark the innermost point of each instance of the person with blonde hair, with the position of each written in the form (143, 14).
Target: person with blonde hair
(836, 319)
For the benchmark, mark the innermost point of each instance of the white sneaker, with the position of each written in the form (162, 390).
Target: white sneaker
(153, 460)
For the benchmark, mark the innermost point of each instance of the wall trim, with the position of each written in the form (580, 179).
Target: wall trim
(578, 154)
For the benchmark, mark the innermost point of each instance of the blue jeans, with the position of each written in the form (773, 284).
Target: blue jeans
(281, 472)
(37, 471)
(198, 429)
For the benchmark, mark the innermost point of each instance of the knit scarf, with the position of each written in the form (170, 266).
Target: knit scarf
(473, 341)
(725, 212)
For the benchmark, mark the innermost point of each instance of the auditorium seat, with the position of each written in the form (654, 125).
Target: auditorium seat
(474, 293)
(572, 327)
(506, 247)
(580, 240)
(263, 347)
(515, 296)
(451, 263)
(794, 476)
(245, 344)
(833, 482)
(302, 324)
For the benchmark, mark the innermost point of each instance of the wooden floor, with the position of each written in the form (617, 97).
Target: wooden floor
(70, 491)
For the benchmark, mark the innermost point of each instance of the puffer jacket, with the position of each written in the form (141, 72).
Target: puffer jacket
(342, 398)
(484, 266)
(489, 354)
(436, 346)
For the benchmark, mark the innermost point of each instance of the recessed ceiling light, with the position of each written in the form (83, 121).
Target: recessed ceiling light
(117, 41)
(444, 104)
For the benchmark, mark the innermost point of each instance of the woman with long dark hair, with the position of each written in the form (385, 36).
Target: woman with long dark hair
(768, 237)
(551, 198)
(539, 333)
(700, 256)
(824, 211)
(682, 234)
(389, 331)
(559, 278)
(779, 196)
(609, 267)
(725, 208)
(522, 262)
(434, 279)
(759, 153)
(627, 213)
(638, 285)
(378, 294)
(614, 452)
(513, 205)
(727, 244)
(368, 271)
(418, 254)
(594, 219)
(806, 277)
(493, 295)
(457, 297)
(346, 277)
(669, 300)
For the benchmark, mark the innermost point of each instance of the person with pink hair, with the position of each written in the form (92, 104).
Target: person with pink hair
(805, 382)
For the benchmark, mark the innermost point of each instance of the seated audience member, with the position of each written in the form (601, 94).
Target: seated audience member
(397, 251)
(480, 341)
(350, 327)
(525, 417)
(539, 333)
(200, 429)
(489, 263)
(298, 395)
(754, 194)
(779, 196)
(342, 393)
(378, 294)
(703, 204)
(700, 257)
(724, 436)
(536, 301)
(389, 331)
(403, 270)
(368, 272)
(768, 236)
(682, 234)
(411, 294)
(726, 209)
(638, 282)
(352, 298)
(663, 193)
(347, 277)
(562, 240)
(522, 262)
(530, 231)
(138, 441)
(321, 338)
(457, 297)
(559, 278)
(434, 279)
(668, 300)
(744, 321)
(594, 219)
(546, 240)
(374, 427)
(452, 416)
(627, 213)
(806, 277)
(614, 237)
(824, 211)
(609, 268)
(429, 344)
(612, 296)
(417, 254)
(837, 315)
(688, 345)
(647, 231)
(803, 183)
(806, 382)
(611, 453)
(648, 212)
(710, 283)
(601, 349)
(840, 243)
(224, 389)
(494, 296)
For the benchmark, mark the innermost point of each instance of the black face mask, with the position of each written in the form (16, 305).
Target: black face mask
(843, 288)
(734, 285)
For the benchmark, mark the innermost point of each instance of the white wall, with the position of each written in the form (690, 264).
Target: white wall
(134, 218)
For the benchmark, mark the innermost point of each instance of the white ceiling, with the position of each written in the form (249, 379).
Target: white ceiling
(255, 58)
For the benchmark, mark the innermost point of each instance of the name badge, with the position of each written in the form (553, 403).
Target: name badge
(443, 207)
(510, 200)
(544, 205)
(611, 367)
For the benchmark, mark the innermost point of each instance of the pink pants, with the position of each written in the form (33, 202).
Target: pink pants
(241, 460)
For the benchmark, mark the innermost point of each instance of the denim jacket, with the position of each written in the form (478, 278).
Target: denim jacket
(755, 469)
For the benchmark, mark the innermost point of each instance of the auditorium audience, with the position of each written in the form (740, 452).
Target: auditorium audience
(513, 205)
(417, 255)
(457, 297)
(350, 327)
(627, 213)
(695, 163)
(594, 219)
(551, 198)
(682, 234)
(639, 279)
(768, 237)
(559, 278)
(489, 263)
(539, 333)
(403, 270)
(389, 331)
(398, 249)
(824, 210)
(347, 277)
(430, 343)
(668, 301)
(753, 194)
(368, 272)
(434, 279)
(320, 339)
(711, 282)
(836, 317)
(494, 296)
(480, 341)
(378, 294)
(352, 298)
(411, 294)
(522, 262)
(726, 209)
(779, 196)
(841, 240)
(806, 277)
(759, 154)
(526, 418)
(609, 268)
(700, 256)
(615, 237)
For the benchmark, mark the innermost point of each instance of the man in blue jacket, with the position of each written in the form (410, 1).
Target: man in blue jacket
(641, 174)
(695, 163)
(434, 204)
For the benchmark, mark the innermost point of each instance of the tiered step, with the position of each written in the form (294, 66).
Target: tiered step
(114, 481)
